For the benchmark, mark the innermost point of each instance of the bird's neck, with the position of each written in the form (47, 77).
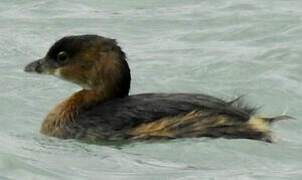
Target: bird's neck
(66, 112)
(115, 84)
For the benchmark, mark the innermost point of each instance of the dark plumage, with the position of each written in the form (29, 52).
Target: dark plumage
(103, 110)
(143, 108)
(122, 114)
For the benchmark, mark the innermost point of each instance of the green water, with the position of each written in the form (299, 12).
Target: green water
(222, 48)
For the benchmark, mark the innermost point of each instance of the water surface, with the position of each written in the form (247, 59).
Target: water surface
(217, 47)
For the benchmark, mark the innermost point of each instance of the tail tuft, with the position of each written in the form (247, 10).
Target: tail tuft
(277, 118)
(240, 104)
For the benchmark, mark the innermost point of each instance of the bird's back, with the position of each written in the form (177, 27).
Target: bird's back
(133, 111)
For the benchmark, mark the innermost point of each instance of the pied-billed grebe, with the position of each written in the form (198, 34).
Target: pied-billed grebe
(103, 110)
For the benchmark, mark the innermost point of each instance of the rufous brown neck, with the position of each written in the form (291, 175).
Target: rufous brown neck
(67, 110)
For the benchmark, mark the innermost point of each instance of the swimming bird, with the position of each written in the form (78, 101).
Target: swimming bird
(104, 110)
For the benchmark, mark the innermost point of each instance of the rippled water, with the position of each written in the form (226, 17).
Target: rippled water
(218, 47)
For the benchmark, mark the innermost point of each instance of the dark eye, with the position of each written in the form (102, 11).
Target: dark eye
(62, 56)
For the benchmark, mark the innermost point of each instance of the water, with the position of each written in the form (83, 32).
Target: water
(222, 48)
